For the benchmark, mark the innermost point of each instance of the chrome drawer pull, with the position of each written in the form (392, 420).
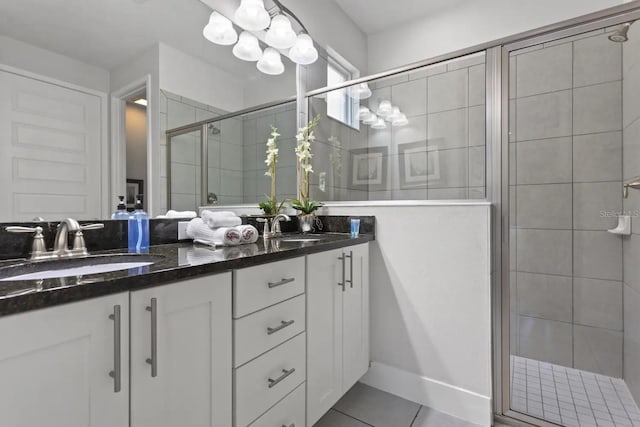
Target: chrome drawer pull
(281, 282)
(284, 375)
(343, 283)
(292, 425)
(116, 374)
(153, 360)
(350, 256)
(280, 327)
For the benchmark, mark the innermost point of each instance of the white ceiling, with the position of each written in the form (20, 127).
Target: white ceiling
(373, 16)
(108, 33)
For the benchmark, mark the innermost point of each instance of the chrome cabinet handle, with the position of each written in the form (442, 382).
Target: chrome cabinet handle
(291, 425)
(285, 374)
(343, 283)
(350, 256)
(116, 374)
(281, 282)
(153, 360)
(280, 327)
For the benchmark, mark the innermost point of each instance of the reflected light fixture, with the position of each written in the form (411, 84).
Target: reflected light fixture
(395, 114)
(370, 119)
(141, 101)
(280, 34)
(220, 30)
(379, 124)
(400, 121)
(303, 52)
(385, 108)
(247, 48)
(251, 15)
(363, 112)
(271, 62)
(361, 91)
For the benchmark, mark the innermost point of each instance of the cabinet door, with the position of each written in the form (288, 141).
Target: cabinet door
(324, 333)
(355, 320)
(192, 382)
(55, 365)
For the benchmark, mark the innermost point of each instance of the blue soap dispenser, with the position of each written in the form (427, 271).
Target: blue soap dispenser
(138, 229)
(121, 210)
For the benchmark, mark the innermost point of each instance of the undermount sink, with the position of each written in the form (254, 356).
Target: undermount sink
(302, 238)
(69, 267)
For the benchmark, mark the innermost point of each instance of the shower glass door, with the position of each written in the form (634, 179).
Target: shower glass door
(574, 135)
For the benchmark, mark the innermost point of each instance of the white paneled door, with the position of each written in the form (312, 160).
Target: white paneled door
(50, 144)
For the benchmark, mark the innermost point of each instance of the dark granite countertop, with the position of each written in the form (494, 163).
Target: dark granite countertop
(175, 262)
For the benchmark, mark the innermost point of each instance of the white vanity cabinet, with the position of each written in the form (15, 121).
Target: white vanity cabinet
(55, 365)
(181, 349)
(337, 325)
(270, 344)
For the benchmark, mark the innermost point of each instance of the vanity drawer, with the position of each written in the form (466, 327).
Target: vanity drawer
(288, 412)
(265, 285)
(258, 332)
(262, 382)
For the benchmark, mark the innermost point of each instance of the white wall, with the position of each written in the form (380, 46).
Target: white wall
(47, 63)
(200, 81)
(331, 27)
(467, 25)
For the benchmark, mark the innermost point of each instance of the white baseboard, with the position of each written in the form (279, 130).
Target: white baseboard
(456, 401)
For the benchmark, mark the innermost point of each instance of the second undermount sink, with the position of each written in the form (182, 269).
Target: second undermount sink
(302, 238)
(68, 267)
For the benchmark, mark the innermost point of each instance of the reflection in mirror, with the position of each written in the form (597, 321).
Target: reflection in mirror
(417, 135)
(63, 77)
(236, 152)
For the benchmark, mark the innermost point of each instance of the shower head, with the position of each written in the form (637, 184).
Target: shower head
(213, 129)
(620, 35)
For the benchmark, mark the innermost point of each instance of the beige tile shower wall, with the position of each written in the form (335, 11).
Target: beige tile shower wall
(631, 244)
(445, 107)
(565, 152)
(256, 130)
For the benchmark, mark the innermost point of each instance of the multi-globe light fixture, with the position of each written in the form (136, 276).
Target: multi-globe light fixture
(280, 37)
(383, 114)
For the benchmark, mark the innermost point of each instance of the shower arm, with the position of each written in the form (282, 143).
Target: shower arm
(635, 184)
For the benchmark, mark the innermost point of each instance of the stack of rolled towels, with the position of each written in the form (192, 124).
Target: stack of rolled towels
(223, 228)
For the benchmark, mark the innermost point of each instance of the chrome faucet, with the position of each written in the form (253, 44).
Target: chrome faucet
(61, 242)
(274, 229)
(275, 223)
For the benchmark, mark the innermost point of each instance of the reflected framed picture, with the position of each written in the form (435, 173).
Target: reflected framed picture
(134, 187)
(417, 164)
(369, 168)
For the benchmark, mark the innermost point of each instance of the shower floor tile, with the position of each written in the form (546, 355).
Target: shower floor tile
(570, 397)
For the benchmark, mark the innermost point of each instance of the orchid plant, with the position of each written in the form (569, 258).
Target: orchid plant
(271, 206)
(305, 137)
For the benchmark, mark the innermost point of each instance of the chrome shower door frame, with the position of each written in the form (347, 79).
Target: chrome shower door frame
(500, 198)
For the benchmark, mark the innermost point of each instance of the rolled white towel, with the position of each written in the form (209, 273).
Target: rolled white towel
(249, 233)
(227, 236)
(216, 219)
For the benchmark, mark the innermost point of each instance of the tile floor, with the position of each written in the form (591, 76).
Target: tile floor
(570, 397)
(365, 406)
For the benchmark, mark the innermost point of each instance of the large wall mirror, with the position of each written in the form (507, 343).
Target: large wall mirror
(88, 90)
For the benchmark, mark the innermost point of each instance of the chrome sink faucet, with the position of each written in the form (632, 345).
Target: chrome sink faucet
(61, 242)
(274, 229)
